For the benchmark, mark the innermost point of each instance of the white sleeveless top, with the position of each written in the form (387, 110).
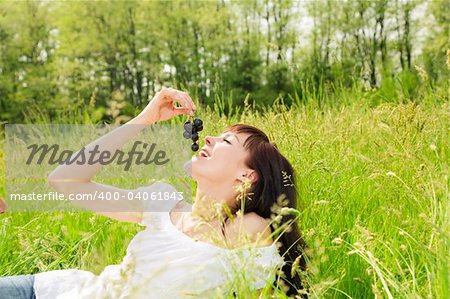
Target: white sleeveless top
(163, 262)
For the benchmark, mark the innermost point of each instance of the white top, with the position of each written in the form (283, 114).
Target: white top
(163, 262)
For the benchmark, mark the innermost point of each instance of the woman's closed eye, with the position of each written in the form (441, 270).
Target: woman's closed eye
(226, 141)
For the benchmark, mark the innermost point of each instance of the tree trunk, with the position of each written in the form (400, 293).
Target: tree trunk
(138, 70)
(407, 40)
(269, 38)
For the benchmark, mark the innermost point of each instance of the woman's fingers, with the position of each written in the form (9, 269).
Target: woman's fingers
(182, 98)
(181, 110)
(189, 103)
(184, 101)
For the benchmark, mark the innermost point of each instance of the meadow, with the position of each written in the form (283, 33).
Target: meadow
(373, 183)
(355, 95)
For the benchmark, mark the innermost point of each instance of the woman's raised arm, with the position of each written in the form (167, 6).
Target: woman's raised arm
(77, 179)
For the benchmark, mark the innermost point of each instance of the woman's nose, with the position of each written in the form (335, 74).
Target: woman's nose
(209, 140)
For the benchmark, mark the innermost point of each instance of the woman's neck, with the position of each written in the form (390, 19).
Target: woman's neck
(209, 207)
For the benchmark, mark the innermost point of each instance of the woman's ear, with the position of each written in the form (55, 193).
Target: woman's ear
(250, 176)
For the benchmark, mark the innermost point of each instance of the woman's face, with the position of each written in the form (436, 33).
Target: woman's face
(221, 159)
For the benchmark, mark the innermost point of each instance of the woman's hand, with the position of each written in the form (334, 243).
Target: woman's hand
(161, 107)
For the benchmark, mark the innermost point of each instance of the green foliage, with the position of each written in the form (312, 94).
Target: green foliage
(362, 117)
(55, 56)
(373, 188)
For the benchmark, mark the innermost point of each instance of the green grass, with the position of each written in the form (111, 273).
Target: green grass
(374, 197)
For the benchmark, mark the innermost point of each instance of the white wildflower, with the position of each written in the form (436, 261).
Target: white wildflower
(337, 241)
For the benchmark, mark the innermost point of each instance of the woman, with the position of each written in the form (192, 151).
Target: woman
(188, 254)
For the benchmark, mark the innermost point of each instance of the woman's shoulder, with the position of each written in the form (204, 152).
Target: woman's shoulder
(158, 196)
(249, 228)
(182, 206)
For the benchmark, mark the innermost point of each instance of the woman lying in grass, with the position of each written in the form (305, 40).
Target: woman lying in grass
(229, 244)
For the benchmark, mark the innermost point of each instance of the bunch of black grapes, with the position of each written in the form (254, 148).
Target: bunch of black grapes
(191, 130)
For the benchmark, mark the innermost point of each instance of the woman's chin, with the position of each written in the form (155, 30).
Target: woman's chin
(197, 166)
(188, 167)
(191, 164)
(198, 158)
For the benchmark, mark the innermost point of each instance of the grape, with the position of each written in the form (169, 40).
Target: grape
(198, 122)
(191, 131)
(188, 126)
(194, 136)
(187, 135)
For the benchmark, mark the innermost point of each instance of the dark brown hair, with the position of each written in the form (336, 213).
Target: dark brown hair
(270, 165)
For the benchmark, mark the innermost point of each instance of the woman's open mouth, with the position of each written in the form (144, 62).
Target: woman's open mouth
(204, 153)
